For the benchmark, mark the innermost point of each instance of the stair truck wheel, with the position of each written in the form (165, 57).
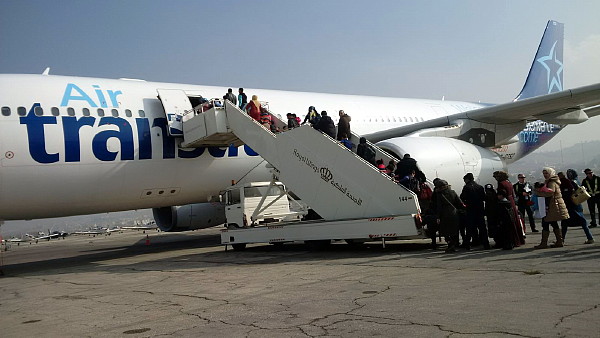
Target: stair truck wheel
(318, 245)
(238, 246)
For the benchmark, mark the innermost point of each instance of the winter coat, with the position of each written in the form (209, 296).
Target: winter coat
(326, 125)
(367, 152)
(406, 166)
(446, 203)
(519, 189)
(242, 100)
(473, 196)
(507, 188)
(576, 218)
(344, 126)
(292, 123)
(592, 186)
(253, 110)
(231, 97)
(508, 231)
(555, 205)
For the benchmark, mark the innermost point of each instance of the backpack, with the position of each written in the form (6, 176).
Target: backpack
(425, 192)
(314, 118)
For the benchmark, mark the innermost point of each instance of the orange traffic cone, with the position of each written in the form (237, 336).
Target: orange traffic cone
(147, 240)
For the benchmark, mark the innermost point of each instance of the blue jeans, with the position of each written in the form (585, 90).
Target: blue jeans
(576, 216)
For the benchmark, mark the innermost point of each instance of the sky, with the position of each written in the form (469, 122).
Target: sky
(460, 50)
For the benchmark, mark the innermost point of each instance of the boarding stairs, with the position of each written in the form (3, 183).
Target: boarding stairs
(326, 175)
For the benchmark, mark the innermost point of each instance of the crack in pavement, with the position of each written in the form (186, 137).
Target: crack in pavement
(561, 320)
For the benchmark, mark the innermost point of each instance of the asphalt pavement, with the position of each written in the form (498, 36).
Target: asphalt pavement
(186, 284)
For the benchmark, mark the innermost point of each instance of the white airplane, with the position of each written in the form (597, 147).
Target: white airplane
(75, 145)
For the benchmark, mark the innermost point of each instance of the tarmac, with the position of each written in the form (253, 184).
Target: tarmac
(186, 284)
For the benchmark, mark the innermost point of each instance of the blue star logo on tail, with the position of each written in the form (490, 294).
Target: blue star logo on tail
(554, 67)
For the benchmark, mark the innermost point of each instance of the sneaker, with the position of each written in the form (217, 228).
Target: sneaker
(589, 241)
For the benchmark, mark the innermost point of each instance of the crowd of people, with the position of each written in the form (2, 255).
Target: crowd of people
(480, 213)
(319, 121)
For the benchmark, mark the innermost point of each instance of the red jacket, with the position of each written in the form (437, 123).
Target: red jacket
(253, 110)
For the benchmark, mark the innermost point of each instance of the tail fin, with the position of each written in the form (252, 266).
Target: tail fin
(546, 73)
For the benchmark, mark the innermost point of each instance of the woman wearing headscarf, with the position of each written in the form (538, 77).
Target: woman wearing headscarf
(506, 188)
(446, 203)
(253, 108)
(556, 210)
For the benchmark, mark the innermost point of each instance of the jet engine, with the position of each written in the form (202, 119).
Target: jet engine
(447, 158)
(189, 217)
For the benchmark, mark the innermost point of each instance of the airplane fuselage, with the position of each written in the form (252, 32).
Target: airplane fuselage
(74, 145)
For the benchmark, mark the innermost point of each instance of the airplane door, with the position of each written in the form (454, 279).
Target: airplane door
(176, 105)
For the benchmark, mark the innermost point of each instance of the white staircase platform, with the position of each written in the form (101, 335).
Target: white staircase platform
(326, 175)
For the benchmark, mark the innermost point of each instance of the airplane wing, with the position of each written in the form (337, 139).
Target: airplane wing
(565, 107)
(570, 106)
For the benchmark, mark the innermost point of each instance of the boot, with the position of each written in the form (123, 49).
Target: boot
(544, 243)
(559, 240)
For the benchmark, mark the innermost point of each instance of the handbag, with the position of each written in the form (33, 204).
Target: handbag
(580, 195)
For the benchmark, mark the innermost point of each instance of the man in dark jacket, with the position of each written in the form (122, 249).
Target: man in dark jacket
(366, 151)
(242, 98)
(446, 203)
(473, 196)
(406, 165)
(523, 192)
(326, 125)
(343, 126)
(591, 182)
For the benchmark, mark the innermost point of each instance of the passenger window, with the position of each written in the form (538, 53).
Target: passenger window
(5, 111)
(100, 112)
(70, 111)
(21, 111)
(114, 112)
(38, 111)
(55, 111)
(127, 112)
(141, 113)
(86, 112)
